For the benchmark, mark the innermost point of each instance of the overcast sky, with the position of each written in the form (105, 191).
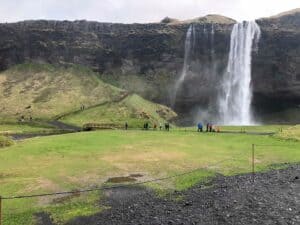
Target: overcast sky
(139, 11)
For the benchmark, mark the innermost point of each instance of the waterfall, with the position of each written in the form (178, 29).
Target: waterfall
(236, 93)
(190, 42)
(212, 40)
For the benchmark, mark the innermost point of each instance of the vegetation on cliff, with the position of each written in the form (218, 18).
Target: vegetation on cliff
(74, 94)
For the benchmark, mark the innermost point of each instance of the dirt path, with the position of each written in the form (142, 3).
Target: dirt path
(121, 98)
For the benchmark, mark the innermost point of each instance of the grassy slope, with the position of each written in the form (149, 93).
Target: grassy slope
(80, 160)
(50, 90)
(151, 86)
(45, 92)
(290, 133)
(133, 109)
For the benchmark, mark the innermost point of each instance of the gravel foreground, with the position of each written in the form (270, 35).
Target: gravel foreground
(274, 198)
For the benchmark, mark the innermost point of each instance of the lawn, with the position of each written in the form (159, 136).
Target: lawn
(82, 160)
(24, 128)
(243, 129)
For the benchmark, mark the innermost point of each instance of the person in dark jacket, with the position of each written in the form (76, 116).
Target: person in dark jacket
(167, 126)
(200, 127)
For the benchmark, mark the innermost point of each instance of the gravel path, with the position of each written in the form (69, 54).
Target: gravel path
(274, 199)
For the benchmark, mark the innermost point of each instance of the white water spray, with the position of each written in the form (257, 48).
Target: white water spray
(188, 46)
(236, 94)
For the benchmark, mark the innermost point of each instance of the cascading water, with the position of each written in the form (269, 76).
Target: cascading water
(188, 46)
(199, 69)
(212, 40)
(236, 94)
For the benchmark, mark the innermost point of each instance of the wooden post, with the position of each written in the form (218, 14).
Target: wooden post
(253, 163)
(0, 210)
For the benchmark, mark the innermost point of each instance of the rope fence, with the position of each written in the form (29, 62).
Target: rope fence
(8, 198)
(116, 186)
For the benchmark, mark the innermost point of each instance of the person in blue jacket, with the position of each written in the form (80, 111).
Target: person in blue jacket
(200, 127)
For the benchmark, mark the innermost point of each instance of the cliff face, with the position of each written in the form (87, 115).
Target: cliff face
(276, 66)
(145, 58)
(148, 58)
(105, 47)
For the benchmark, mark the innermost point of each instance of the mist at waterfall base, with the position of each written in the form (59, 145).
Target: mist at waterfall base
(199, 74)
(224, 90)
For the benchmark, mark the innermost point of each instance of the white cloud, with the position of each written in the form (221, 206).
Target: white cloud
(129, 11)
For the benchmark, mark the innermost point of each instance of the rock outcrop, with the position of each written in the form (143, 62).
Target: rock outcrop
(148, 58)
(276, 66)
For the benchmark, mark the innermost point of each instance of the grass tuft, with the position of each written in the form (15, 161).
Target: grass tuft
(5, 142)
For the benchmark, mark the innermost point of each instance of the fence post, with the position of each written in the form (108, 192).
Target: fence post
(253, 163)
(0, 210)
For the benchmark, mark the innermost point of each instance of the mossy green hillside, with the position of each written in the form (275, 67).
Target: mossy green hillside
(46, 92)
(133, 109)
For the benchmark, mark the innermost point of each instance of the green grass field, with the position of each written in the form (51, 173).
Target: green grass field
(24, 128)
(82, 160)
(243, 129)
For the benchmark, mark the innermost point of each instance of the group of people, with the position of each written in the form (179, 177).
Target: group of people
(23, 119)
(209, 127)
(82, 107)
(147, 126)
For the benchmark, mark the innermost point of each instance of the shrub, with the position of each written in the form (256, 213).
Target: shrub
(5, 142)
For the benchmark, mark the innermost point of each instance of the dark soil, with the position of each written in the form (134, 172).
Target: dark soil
(130, 178)
(43, 219)
(136, 175)
(274, 198)
(120, 179)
